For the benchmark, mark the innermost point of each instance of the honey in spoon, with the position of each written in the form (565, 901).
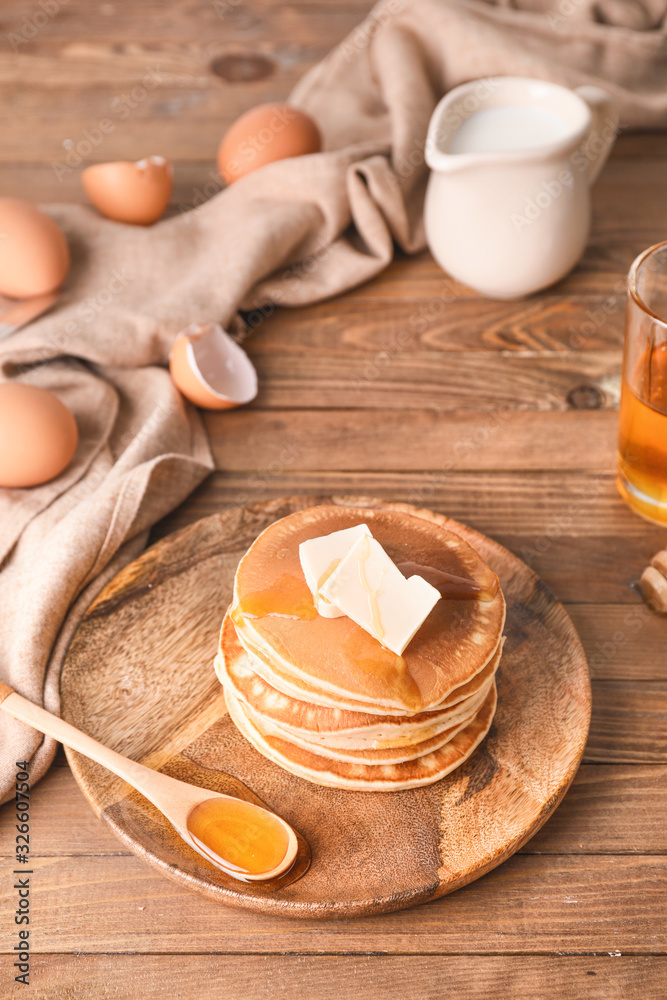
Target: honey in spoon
(241, 838)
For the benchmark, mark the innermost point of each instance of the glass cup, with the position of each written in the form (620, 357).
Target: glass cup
(642, 440)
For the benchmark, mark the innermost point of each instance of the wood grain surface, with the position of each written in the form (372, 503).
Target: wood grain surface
(592, 883)
(138, 677)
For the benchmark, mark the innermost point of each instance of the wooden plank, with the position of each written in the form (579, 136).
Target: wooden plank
(610, 195)
(601, 271)
(54, 92)
(619, 792)
(61, 820)
(358, 440)
(530, 905)
(622, 642)
(76, 24)
(63, 824)
(599, 569)
(642, 145)
(64, 141)
(194, 182)
(629, 722)
(405, 378)
(572, 529)
(542, 503)
(447, 321)
(327, 977)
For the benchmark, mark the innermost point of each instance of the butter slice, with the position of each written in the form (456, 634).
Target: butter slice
(371, 590)
(319, 558)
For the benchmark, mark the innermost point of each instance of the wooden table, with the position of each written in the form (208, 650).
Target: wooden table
(499, 414)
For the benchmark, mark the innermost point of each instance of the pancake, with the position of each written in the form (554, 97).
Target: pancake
(334, 727)
(276, 620)
(364, 777)
(299, 688)
(369, 755)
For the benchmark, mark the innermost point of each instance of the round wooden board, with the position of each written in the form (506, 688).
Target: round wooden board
(139, 678)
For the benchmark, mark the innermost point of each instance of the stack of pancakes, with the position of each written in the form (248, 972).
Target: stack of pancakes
(323, 698)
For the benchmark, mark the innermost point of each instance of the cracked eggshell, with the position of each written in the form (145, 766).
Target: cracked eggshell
(210, 368)
(137, 193)
(34, 256)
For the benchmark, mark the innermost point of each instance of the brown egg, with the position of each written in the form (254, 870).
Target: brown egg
(210, 368)
(34, 256)
(264, 134)
(137, 193)
(38, 435)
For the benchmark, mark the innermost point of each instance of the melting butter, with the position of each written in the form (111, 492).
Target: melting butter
(370, 589)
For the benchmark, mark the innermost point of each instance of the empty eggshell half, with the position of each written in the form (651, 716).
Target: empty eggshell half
(137, 193)
(210, 368)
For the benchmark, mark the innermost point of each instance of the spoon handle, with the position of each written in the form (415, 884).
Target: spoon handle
(174, 798)
(147, 781)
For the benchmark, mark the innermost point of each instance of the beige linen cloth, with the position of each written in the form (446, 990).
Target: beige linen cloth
(295, 232)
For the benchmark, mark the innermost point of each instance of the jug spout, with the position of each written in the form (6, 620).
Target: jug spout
(447, 118)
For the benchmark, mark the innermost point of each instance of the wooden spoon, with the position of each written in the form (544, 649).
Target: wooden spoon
(239, 837)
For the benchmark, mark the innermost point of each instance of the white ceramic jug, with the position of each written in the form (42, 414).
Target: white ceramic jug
(507, 206)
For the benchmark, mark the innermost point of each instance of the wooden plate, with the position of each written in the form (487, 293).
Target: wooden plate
(139, 678)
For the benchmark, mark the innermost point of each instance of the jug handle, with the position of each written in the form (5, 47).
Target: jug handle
(603, 131)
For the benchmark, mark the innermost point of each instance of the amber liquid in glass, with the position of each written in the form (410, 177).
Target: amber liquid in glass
(642, 477)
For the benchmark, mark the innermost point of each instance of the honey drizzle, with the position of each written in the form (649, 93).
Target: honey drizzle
(290, 597)
(333, 566)
(327, 573)
(292, 602)
(392, 668)
(451, 587)
(373, 606)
